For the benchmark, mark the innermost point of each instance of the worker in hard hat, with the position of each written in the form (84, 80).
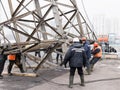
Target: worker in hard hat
(76, 57)
(87, 48)
(97, 54)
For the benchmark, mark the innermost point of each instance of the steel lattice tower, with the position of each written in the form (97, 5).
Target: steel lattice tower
(29, 25)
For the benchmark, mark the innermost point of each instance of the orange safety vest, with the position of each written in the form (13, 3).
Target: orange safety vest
(98, 54)
(11, 57)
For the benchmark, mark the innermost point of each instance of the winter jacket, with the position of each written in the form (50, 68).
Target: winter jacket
(97, 52)
(87, 49)
(3, 56)
(11, 57)
(75, 56)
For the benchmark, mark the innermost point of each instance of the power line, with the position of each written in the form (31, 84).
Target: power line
(87, 15)
(4, 9)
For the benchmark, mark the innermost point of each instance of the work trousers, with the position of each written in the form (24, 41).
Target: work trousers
(37, 53)
(94, 60)
(2, 63)
(88, 63)
(73, 69)
(57, 57)
(12, 62)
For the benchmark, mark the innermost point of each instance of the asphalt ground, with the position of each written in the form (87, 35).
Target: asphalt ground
(106, 76)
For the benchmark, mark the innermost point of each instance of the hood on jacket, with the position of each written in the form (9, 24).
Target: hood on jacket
(77, 45)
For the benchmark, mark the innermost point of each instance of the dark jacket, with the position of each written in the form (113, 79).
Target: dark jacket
(2, 55)
(87, 49)
(75, 56)
(95, 51)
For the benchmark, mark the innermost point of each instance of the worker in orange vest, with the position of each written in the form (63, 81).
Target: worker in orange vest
(97, 54)
(14, 58)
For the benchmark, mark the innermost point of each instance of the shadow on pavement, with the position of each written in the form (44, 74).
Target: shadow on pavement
(23, 83)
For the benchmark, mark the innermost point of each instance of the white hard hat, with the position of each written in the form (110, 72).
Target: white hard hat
(75, 39)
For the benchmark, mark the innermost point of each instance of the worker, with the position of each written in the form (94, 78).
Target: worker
(14, 58)
(87, 48)
(59, 55)
(37, 52)
(76, 57)
(97, 54)
(3, 58)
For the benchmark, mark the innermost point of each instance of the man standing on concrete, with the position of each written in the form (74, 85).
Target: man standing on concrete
(86, 45)
(97, 54)
(77, 58)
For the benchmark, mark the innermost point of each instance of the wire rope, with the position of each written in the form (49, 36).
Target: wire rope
(82, 2)
(4, 9)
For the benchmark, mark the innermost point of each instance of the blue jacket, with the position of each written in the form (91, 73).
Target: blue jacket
(75, 56)
(87, 49)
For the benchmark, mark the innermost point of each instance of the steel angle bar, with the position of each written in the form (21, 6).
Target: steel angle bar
(70, 22)
(16, 18)
(24, 6)
(62, 4)
(34, 31)
(18, 8)
(68, 12)
(53, 28)
(16, 30)
(51, 48)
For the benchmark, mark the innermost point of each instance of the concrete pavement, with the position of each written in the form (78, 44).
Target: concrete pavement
(106, 76)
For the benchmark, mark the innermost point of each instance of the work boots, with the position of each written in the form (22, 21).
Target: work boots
(21, 68)
(71, 81)
(88, 71)
(82, 80)
(1, 76)
(9, 70)
(91, 67)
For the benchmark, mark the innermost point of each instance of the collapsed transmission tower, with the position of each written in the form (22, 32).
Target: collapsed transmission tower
(29, 25)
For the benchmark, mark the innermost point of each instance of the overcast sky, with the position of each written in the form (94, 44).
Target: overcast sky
(104, 14)
(105, 7)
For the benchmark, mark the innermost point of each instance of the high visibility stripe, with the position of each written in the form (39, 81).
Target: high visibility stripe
(11, 57)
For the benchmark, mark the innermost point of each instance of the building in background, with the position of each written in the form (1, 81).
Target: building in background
(111, 38)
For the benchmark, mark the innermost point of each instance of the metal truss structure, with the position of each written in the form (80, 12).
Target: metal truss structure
(29, 25)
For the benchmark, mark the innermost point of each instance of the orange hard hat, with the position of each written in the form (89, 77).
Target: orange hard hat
(95, 44)
(83, 39)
